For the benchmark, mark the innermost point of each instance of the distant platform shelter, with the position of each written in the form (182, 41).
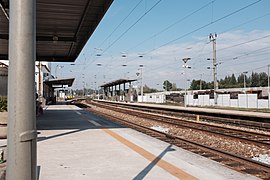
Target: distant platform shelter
(119, 90)
(52, 84)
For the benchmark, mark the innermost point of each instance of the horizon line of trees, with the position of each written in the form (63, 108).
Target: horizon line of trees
(230, 81)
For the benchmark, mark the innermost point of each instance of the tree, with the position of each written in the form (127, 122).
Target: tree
(195, 85)
(221, 83)
(240, 80)
(207, 85)
(174, 87)
(255, 80)
(147, 89)
(226, 82)
(263, 79)
(167, 85)
(233, 81)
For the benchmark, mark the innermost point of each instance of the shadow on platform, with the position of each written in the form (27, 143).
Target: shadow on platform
(73, 120)
(148, 168)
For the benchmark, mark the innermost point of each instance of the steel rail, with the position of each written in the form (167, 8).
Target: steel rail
(210, 129)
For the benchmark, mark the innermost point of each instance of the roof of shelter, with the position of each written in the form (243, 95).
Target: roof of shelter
(3, 65)
(59, 82)
(118, 82)
(44, 67)
(63, 27)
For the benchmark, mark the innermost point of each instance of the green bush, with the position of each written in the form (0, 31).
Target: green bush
(3, 104)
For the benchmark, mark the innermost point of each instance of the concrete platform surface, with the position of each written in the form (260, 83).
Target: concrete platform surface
(76, 145)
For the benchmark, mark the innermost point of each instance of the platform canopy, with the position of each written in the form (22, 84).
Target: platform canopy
(63, 27)
(118, 82)
(58, 83)
(3, 65)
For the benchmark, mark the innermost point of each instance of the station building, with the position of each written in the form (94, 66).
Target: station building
(45, 83)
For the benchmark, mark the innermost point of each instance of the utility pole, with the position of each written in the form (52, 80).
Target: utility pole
(268, 86)
(141, 67)
(212, 38)
(200, 81)
(245, 87)
(245, 81)
(185, 66)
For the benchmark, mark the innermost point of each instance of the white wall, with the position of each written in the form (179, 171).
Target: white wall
(243, 101)
(152, 98)
(43, 70)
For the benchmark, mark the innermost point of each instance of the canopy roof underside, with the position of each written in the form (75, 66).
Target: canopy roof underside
(63, 27)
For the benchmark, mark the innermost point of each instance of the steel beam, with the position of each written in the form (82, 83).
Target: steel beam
(21, 159)
(46, 38)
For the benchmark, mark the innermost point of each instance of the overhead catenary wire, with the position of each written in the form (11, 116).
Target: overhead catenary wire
(121, 23)
(250, 70)
(255, 51)
(250, 62)
(250, 54)
(235, 45)
(260, 50)
(208, 24)
(246, 42)
(212, 22)
(244, 23)
(245, 54)
(171, 25)
(133, 9)
(202, 27)
(125, 31)
(138, 20)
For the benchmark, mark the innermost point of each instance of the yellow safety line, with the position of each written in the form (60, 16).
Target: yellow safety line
(175, 171)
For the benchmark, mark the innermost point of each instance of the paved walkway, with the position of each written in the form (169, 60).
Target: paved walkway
(75, 144)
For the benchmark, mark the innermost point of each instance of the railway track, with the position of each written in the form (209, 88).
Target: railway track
(253, 123)
(242, 164)
(236, 134)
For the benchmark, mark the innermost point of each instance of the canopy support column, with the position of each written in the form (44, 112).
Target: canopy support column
(21, 160)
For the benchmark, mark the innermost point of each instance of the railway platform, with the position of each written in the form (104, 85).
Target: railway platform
(76, 144)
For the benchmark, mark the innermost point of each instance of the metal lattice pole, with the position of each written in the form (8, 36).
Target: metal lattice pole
(212, 38)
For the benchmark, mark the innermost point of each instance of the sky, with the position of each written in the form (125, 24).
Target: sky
(158, 34)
